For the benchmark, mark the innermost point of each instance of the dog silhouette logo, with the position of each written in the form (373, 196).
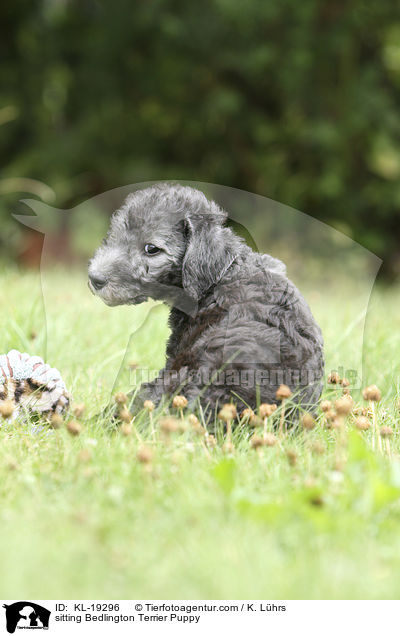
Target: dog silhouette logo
(26, 615)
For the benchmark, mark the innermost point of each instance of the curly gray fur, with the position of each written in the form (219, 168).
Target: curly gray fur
(239, 326)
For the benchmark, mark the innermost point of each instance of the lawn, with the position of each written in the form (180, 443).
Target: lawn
(317, 515)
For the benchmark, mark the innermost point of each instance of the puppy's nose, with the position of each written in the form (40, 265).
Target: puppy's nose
(97, 281)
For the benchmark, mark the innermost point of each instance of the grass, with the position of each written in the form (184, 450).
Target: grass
(81, 517)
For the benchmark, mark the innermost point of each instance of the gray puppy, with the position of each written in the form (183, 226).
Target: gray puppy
(239, 327)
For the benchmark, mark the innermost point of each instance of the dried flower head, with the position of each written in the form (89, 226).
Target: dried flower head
(228, 447)
(227, 414)
(337, 422)
(247, 414)
(199, 429)
(84, 455)
(126, 429)
(386, 431)
(291, 456)
(326, 405)
(256, 421)
(233, 409)
(372, 393)
(121, 398)
(125, 415)
(79, 410)
(179, 402)
(283, 392)
(318, 448)
(317, 500)
(169, 425)
(333, 378)
(12, 464)
(6, 409)
(308, 421)
(74, 428)
(345, 382)
(193, 420)
(148, 405)
(256, 442)
(196, 425)
(211, 442)
(266, 410)
(56, 421)
(330, 415)
(344, 405)
(270, 439)
(144, 455)
(362, 423)
(366, 411)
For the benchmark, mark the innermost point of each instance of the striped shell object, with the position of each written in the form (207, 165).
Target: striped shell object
(31, 384)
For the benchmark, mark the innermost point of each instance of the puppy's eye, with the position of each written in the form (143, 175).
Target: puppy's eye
(151, 249)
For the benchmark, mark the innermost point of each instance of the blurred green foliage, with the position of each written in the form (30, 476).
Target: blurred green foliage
(298, 101)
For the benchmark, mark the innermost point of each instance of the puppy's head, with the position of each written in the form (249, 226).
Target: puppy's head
(166, 242)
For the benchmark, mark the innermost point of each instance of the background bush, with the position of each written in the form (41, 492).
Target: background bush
(298, 101)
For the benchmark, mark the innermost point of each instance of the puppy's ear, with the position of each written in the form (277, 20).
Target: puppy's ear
(209, 253)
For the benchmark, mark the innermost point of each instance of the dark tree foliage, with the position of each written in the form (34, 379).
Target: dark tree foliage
(295, 100)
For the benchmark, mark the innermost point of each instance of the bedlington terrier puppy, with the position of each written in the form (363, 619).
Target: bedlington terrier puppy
(239, 326)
